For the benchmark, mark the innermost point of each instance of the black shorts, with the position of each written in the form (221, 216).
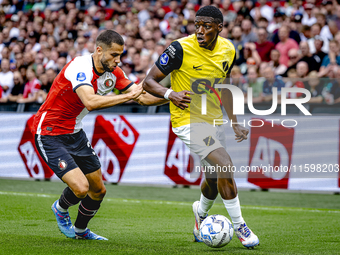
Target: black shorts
(63, 153)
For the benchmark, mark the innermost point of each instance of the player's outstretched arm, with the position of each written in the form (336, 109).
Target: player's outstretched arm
(151, 82)
(147, 98)
(93, 102)
(151, 85)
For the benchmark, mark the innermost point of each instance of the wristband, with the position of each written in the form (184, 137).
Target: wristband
(167, 93)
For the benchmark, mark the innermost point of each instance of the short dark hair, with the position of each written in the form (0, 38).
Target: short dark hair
(210, 11)
(263, 19)
(108, 37)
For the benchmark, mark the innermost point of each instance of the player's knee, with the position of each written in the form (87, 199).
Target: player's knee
(81, 190)
(227, 164)
(102, 192)
(223, 165)
(99, 192)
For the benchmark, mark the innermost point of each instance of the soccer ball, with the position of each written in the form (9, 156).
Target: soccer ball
(216, 231)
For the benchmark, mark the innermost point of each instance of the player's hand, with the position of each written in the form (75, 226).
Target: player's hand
(241, 133)
(181, 99)
(136, 92)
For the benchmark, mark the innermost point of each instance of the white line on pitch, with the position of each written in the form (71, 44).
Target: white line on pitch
(243, 207)
(246, 207)
(25, 194)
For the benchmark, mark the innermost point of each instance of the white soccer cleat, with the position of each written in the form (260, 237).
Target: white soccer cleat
(246, 236)
(198, 221)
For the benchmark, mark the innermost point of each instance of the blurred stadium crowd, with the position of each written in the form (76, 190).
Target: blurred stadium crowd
(278, 43)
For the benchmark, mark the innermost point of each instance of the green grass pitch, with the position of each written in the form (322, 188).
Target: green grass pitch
(155, 220)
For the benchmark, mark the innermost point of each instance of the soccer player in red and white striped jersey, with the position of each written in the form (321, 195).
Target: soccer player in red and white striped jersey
(81, 87)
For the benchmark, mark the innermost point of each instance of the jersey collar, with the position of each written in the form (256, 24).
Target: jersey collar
(94, 68)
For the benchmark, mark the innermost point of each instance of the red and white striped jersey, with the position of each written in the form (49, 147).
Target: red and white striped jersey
(63, 110)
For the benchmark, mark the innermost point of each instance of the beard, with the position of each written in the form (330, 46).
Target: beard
(106, 65)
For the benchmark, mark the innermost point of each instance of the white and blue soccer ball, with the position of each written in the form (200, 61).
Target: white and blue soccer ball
(216, 231)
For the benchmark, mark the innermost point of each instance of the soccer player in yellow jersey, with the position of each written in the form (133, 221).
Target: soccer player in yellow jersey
(196, 64)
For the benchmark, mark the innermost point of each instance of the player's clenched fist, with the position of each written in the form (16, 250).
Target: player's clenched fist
(136, 92)
(180, 99)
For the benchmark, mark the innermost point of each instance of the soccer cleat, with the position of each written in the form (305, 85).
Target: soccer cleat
(89, 235)
(246, 236)
(198, 221)
(63, 221)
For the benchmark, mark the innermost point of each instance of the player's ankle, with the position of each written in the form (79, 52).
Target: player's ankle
(60, 208)
(201, 213)
(237, 225)
(79, 230)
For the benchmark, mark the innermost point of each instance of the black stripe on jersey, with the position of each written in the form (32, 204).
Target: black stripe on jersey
(81, 84)
(128, 86)
(232, 65)
(171, 59)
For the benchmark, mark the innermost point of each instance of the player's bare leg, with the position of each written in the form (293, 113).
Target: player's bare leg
(209, 186)
(89, 206)
(77, 189)
(225, 182)
(227, 188)
(77, 182)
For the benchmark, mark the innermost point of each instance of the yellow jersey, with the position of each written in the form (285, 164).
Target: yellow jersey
(197, 70)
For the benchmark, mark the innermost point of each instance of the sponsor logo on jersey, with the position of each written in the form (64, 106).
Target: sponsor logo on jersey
(62, 164)
(164, 59)
(81, 76)
(197, 68)
(108, 82)
(172, 51)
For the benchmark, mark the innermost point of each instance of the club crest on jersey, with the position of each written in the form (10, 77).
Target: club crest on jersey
(164, 59)
(108, 82)
(81, 76)
(209, 141)
(62, 164)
